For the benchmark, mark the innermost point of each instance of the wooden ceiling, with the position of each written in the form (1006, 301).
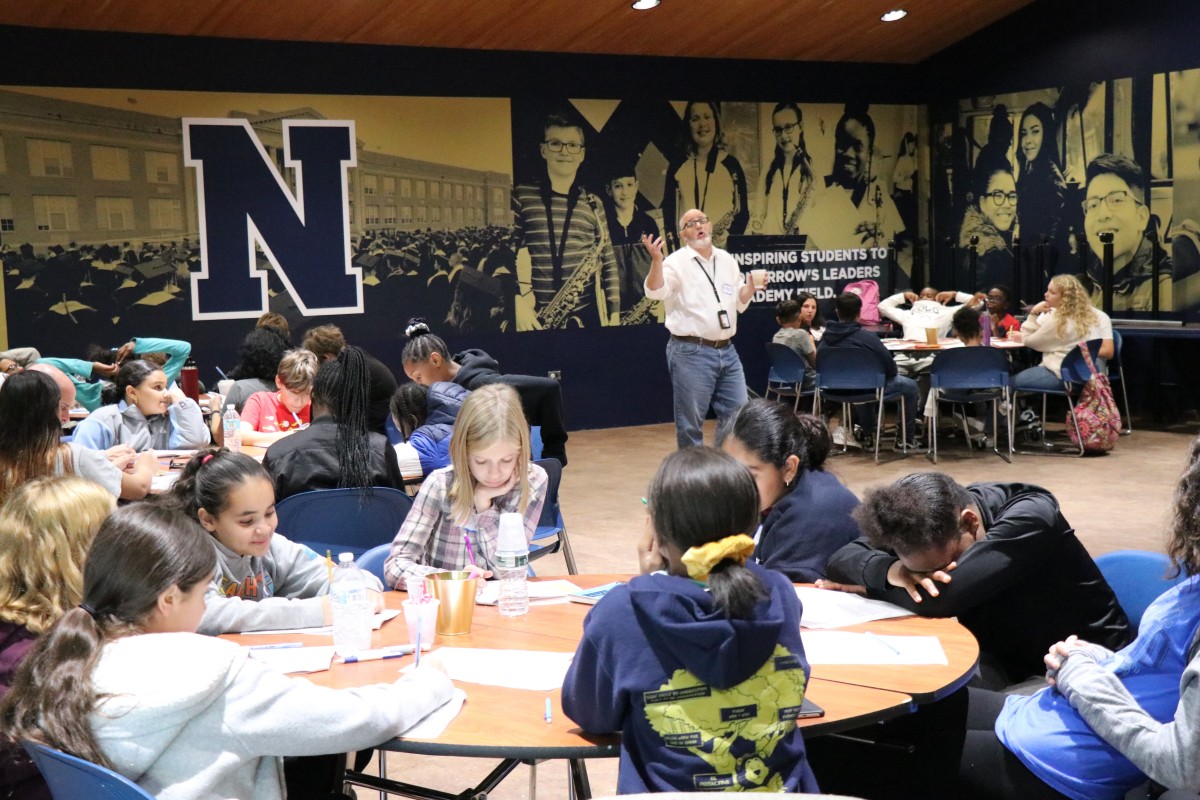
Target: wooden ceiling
(804, 30)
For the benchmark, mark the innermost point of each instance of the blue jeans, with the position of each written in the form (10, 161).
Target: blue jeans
(1036, 378)
(865, 414)
(703, 376)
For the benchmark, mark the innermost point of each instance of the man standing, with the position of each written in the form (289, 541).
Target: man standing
(703, 292)
(566, 272)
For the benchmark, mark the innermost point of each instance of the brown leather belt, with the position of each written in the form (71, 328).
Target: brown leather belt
(718, 343)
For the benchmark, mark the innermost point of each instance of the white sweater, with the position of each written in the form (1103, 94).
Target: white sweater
(194, 718)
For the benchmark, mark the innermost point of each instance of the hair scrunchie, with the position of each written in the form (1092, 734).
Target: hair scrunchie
(701, 560)
(207, 458)
(91, 611)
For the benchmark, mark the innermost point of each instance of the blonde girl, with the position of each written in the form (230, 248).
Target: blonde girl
(1055, 325)
(122, 680)
(46, 527)
(459, 506)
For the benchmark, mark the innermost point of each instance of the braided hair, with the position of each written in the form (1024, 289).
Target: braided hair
(342, 386)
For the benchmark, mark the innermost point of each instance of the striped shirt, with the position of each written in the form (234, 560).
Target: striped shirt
(588, 229)
(430, 541)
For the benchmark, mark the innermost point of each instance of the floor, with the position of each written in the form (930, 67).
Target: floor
(1120, 500)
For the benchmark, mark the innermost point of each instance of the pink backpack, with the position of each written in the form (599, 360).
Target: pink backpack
(869, 292)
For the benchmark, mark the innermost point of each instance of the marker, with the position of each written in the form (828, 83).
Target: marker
(220, 372)
(395, 651)
(296, 417)
(329, 564)
(470, 549)
(280, 646)
(886, 644)
(548, 717)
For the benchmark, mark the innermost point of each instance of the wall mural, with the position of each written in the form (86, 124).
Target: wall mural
(481, 215)
(1033, 182)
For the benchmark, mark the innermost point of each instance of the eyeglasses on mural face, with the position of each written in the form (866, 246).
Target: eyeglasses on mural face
(1114, 200)
(555, 146)
(1000, 198)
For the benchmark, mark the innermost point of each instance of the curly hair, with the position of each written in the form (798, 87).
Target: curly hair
(46, 527)
(259, 355)
(1184, 546)
(916, 513)
(1075, 308)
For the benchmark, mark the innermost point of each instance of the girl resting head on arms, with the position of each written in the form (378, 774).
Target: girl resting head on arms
(263, 581)
(804, 511)
(699, 665)
(143, 413)
(123, 681)
(459, 506)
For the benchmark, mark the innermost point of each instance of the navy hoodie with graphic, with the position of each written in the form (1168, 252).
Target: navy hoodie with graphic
(703, 702)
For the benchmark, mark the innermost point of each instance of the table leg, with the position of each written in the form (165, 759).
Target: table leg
(581, 788)
(480, 792)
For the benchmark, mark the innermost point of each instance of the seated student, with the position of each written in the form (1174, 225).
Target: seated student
(336, 451)
(998, 556)
(144, 414)
(1055, 326)
(459, 506)
(804, 511)
(259, 355)
(968, 329)
(996, 311)
(697, 662)
(269, 416)
(424, 417)
(326, 342)
(122, 680)
(58, 515)
(427, 360)
(90, 394)
(263, 581)
(928, 310)
(810, 315)
(31, 444)
(792, 334)
(847, 332)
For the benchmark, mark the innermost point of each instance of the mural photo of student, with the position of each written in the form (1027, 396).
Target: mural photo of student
(988, 223)
(786, 187)
(627, 224)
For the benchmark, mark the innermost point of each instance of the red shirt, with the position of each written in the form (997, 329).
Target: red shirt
(265, 412)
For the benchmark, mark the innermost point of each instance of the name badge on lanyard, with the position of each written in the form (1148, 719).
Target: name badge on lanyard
(722, 314)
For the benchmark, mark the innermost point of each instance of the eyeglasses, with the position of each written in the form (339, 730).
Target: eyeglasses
(555, 146)
(999, 198)
(694, 221)
(780, 130)
(1114, 200)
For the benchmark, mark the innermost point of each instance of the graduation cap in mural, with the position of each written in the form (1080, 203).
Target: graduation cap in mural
(108, 253)
(154, 268)
(70, 309)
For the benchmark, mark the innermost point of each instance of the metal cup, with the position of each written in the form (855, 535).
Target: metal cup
(455, 592)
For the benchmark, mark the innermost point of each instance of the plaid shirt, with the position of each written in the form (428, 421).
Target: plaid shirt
(430, 541)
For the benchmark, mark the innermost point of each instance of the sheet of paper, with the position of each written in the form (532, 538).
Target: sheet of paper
(842, 647)
(163, 483)
(825, 608)
(432, 726)
(489, 593)
(515, 669)
(327, 630)
(295, 659)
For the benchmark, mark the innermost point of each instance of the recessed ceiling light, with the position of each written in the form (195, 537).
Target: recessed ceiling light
(645, 5)
(894, 15)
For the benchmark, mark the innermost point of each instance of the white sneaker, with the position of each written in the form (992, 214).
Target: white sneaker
(839, 436)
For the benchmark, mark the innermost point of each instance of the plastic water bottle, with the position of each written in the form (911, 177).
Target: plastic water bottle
(512, 566)
(351, 607)
(232, 424)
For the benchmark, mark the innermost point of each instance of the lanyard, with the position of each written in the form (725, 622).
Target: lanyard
(556, 256)
(700, 201)
(784, 211)
(711, 282)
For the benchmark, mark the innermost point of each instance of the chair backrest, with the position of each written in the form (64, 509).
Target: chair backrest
(848, 369)
(71, 778)
(1137, 577)
(1074, 370)
(969, 368)
(787, 366)
(343, 520)
(550, 510)
(373, 560)
(1117, 341)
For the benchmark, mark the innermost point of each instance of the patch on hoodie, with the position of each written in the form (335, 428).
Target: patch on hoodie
(734, 731)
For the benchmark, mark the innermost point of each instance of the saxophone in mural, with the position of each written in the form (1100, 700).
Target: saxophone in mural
(720, 231)
(557, 313)
(642, 312)
(789, 225)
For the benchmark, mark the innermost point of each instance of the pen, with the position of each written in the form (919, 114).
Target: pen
(396, 651)
(548, 720)
(470, 549)
(329, 562)
(296, 417)
(220, 372)
(417, 647)
(280, 646)
(886, 644)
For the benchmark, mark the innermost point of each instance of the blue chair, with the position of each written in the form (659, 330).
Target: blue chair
(343, 520)
(373, 560)
(1137, 577)
(1074, 373)
(971, 375)
(71, 778)
(551, 525)
(853, 376)
(786, 376)
(1116, 374)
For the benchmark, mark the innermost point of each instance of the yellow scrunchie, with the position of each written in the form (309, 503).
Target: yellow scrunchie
(700, 560)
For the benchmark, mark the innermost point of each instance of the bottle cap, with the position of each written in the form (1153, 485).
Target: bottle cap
(511, 537)
(344, 558)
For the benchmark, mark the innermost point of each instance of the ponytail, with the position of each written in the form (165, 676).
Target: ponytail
(208, 478)
(342, 386)
(139, 552)
(705, 503)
